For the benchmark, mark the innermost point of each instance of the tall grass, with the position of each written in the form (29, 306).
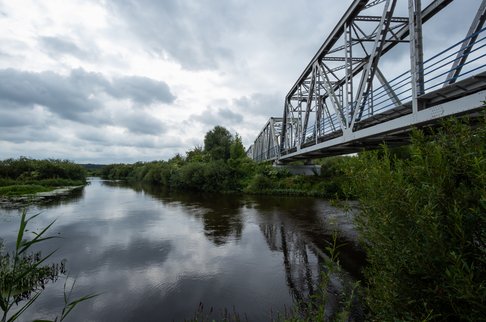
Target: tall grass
(24, 275)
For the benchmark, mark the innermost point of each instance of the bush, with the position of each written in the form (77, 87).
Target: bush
(423, 226)
(25, 169)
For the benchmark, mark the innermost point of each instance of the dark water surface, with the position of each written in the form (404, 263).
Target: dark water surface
(156, 256)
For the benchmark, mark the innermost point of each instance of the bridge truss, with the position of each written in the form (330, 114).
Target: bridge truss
(344, 101)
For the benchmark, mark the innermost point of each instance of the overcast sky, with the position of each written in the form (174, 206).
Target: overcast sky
(126, 80)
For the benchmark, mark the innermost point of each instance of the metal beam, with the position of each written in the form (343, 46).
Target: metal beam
(466, 47)
(309, 103)
(416, 51)
(336, 33)
(368, 74)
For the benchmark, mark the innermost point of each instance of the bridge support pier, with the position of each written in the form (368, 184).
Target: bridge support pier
(306, 169)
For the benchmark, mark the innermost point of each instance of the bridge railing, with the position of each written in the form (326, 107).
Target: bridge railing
(435, 71)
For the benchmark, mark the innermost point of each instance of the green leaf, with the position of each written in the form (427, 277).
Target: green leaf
(20, 234)
(25, 307)
(73, 304)
(37, 239)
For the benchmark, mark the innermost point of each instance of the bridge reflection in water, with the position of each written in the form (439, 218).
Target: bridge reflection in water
(305, 268)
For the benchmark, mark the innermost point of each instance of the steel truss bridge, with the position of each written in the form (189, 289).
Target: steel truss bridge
(344, 100)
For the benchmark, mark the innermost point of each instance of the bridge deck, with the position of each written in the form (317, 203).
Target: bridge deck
(460, 98)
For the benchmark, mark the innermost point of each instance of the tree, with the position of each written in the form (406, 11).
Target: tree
(196, 155)
(217, 143)
(237, 150)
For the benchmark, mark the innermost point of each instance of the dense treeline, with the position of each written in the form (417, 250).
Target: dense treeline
(26, 175)
(222, 166)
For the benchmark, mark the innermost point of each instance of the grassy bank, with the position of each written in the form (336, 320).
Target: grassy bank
(25, 176)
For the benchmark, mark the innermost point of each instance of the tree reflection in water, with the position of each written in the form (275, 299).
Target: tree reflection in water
(220, 214)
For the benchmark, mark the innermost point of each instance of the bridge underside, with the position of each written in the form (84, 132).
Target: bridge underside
(345, 100)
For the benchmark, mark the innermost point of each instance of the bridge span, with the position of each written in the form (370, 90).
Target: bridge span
(345, 100)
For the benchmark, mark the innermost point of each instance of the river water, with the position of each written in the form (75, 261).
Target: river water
(158, 256)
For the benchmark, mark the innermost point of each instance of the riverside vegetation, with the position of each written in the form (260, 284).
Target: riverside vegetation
(421, 215)
(28, 176)
(222, 166)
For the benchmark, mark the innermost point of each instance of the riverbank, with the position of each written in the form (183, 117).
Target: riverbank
(23, 200)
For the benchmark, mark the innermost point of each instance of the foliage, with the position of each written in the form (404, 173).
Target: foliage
(237, 150)
(24, 275)
(16, 190)
(202, 170)
(26, 176)
(197, 155)
(92, 169)
(423, 226)
(23, 169)
(217, 143)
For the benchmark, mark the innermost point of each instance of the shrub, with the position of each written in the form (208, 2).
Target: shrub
(423, 226)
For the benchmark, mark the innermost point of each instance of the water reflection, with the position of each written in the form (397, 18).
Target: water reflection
(220, 214)
(157, 255)
(315, 220)
(56, 201)
(302, 268)
(47, 201)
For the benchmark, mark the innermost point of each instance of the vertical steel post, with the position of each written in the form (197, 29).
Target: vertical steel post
(416, 51)
(308, 106)
(284, 126)
(348, 93)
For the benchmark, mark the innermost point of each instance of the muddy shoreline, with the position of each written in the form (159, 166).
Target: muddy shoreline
(37, 198)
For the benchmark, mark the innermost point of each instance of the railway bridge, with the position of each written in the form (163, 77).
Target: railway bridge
(349, 97)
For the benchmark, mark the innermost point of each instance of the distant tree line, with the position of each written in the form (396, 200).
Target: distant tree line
(26, 175)
(221, 165)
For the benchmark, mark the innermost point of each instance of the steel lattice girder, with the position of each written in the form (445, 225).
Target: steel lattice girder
(336, 89)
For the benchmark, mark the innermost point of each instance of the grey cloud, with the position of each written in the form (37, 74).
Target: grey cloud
(227, 114)
(221, 116)
(76, 95)
(97, 136)
(12, 117)
(19, 124)
(191, 32)
(48, 89)
(141, 89)
(28, 136)
(60, 46)
(141, 123)
(261, 104)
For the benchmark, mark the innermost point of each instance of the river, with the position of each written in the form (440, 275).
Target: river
(156, 256)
